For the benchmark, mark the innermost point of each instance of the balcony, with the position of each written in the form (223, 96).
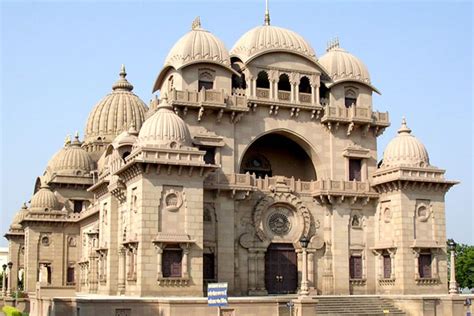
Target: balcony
(209, 98)
(323, 190)
(284, 96)
(355, 115)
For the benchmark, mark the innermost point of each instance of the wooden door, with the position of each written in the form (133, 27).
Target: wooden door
(387, 266)
(281, 272)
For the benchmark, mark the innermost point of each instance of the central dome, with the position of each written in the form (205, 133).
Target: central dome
(267, 38)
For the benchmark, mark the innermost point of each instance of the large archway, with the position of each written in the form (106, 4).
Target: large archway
(277, 154)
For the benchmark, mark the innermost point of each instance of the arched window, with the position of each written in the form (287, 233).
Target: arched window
(305, 86)
(206, 81)
(262, 80)
(350, 98)
(284, 83)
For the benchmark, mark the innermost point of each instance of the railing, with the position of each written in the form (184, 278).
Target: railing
(354, 113)
(263, 93)
(209, 97)
(305, 97)
(251, 182)
(284, 95)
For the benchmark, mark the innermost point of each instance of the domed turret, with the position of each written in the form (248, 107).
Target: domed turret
(115, 113)
(126, 138)
(44, 200)
(343, 66)
(268, 38)
(405, 150)
(72, 160)
(196, 46)
(164, 128)
(19, 216)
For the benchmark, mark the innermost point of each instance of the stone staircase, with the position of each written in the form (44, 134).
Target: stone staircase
(355, 305)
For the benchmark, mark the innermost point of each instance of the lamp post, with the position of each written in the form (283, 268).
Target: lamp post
(4, 279)
(453, 286)
(304, 241)
(9, 283)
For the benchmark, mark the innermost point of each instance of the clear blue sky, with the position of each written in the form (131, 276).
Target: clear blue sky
(59, 58)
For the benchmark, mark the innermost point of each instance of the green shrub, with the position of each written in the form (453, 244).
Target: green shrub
(11, 311)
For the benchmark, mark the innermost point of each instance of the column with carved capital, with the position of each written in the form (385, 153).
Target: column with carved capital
(4, 280)
(417, 268)
(121, 271)
(9, 280)
(159, 260)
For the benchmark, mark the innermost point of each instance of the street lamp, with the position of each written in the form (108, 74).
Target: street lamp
(304, 241)
(453, 286)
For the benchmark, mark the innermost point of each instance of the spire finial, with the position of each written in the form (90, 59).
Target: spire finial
(164, 102)
(404, 128)
(333, 44)
(267, 13)
(67, 141)
(196, 25)
(76, 135)
(123, 73)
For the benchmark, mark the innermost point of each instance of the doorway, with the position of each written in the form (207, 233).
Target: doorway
(281, 272)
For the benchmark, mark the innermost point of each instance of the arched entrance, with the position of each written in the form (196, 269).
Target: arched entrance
(281, 271)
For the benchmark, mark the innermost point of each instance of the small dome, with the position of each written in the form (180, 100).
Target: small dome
(267, 38)
(405, 150)
(343, 66)
(71, 160)
(126, 138)
(164, 127)
(44, 200)
(198, 45)
(19, 216)
(115, 113)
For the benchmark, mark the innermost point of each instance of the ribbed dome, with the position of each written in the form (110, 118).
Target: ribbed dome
(71, 160)
(164, 127)
(269, 38)
(198, 45)
(343, 66)
(44, 200)
(115, 113)
(19, 216)
(405, 150)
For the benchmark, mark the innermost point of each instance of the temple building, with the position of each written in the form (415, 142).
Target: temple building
(256, 166)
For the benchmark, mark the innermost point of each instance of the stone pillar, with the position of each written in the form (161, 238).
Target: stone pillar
(252, 271)
(311, 270)
(417, 268)
(392, 265)
(299, 264)
(4, 281)
(254, 87)
(453, 287)
(159, 261)
(304, 281)
(9, 281)
(184, 263)
(93, 274)
(261, 272)
(271, 94)
(121, 271)
(317, 98)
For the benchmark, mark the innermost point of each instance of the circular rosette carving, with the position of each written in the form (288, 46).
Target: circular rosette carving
(173, 201)
(281, 216)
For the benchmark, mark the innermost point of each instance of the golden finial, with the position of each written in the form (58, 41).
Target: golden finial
(267, 14)
(196, 25)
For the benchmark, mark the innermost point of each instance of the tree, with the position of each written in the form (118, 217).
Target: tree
(464, 265)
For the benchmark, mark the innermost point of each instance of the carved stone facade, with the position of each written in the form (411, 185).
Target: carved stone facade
(246, 153)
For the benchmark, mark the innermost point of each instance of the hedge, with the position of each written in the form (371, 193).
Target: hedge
(11, 311)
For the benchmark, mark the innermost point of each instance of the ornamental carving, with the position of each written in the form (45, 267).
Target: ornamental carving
(172, 200)
(284, 203)
(279, 224)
